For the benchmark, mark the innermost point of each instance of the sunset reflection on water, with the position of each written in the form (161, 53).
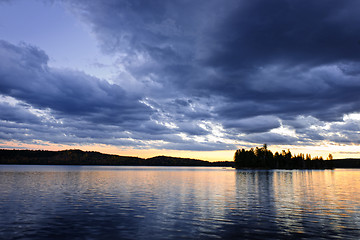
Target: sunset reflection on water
(43, 202)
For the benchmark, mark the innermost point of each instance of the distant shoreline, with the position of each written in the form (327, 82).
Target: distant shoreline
(90, 158)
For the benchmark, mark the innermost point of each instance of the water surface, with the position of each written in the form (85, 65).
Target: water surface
(106, 202)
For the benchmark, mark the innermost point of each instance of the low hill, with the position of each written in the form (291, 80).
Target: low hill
(174, 161)
(78, 157)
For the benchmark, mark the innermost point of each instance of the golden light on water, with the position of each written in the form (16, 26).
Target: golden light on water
(322, 190)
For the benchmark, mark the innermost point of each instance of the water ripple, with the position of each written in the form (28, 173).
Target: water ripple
(57, 202)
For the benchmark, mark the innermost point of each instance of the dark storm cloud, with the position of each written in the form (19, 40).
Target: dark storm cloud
(16, 114)
(25, 76)
(248, 66)
(324, 92)
(253, 125)
(291, 32)
(270, 138)
(265, 52)
(280, 56)
(77, 108)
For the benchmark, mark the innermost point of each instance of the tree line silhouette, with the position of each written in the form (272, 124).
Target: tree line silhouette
(262, 158)
(258, 158)
(78, 157)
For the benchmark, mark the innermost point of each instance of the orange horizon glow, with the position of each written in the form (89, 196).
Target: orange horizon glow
(212, 156)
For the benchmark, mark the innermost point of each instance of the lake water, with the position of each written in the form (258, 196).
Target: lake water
(105, 202)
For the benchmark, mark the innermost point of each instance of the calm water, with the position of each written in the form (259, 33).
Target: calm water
(75, 202)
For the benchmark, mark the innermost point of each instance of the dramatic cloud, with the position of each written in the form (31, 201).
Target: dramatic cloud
(65, 97)
(195, 75)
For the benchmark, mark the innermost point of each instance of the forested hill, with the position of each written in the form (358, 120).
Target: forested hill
(78, 157)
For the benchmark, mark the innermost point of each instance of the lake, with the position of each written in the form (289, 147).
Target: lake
(107, 202)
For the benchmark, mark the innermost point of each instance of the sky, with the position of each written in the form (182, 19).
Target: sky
(183, 78)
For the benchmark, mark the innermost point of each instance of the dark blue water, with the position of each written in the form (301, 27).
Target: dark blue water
(73, 202)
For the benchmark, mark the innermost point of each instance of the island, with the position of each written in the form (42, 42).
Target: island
(262, 158)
